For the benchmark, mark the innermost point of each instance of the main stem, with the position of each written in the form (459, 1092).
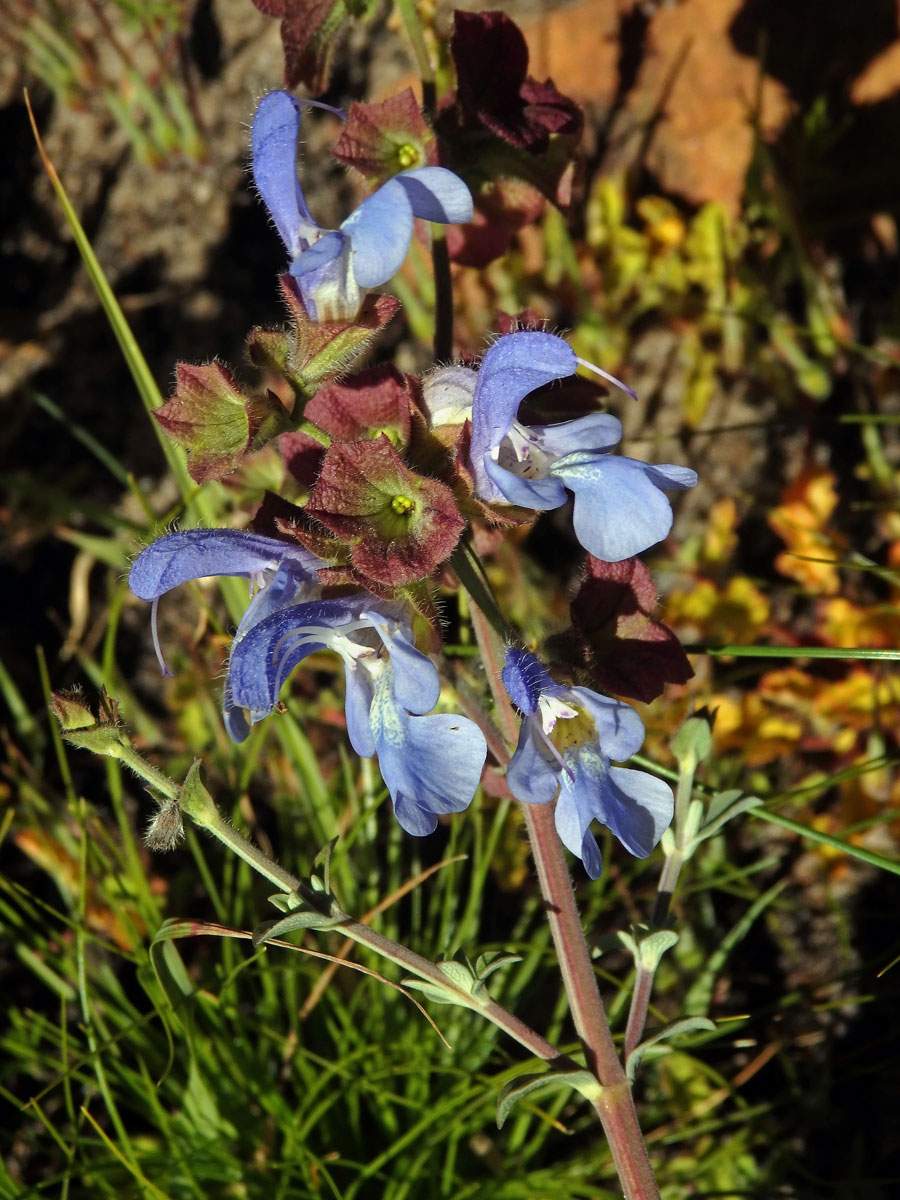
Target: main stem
(615, 1106)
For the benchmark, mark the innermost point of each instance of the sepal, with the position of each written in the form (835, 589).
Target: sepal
(215, 420)
(311, 31)
(381, 140)
(615, 638)
(103, 734)
(399, 525)
(308, 352)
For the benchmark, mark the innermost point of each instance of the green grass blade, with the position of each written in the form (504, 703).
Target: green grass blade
(137, 364)
(827, 839)
(844, 653)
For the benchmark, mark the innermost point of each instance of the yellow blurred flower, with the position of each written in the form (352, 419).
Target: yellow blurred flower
(846, 624)
(735, 614)
(720, 538)
(801, 520)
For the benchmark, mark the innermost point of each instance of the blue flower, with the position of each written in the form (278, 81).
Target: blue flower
(430, 763)
(566, 743)
(620, 508)
(335, 268)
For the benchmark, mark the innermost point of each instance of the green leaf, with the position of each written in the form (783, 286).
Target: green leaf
(648, 951)
(304, 918)
(722, 808)
(486, 964)
(693, 741)
(582, 1081)
(685, 1025)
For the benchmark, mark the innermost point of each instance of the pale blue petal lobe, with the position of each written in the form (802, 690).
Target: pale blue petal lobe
(319, 255)
(431, 765)
(436, 194)
(530, 776)
(638, 808)
(357, 705)
(380, 230)
(620, 730)
(619, 509)
(541, 494)
(597, 431)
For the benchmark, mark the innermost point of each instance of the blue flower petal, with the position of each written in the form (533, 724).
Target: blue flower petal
(620, 730)
(530, 776)
(431, 765)
(357, 705)
(416, 683)
(273, 141)
(575, 806)
(503, 485)
(197, 553)
(319, 255)
(380, 230)
(638, 808)
(596, 431)
(619, 508)
(514, 366)
(436, 194)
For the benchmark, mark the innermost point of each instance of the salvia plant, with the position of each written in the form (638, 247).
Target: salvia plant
(400, 490)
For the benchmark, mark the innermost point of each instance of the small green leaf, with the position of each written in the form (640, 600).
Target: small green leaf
(323, 859)
(286, 902)
(301, 918)
(433, 991)
(486, 964)
(693, 741)
(685, 1025)
(722, 808)
(647, 951)
(459, 974)
(582, 1081)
